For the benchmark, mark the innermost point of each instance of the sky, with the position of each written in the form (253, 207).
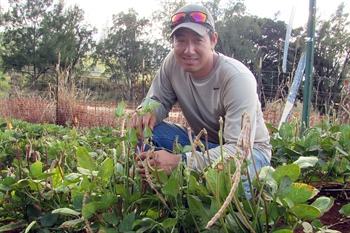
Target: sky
(99, 12)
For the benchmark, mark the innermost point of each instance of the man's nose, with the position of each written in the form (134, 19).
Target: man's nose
(189, 47)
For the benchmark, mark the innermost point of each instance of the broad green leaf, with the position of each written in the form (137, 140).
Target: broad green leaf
(107, 200)
(300, 193)
(269, 183)
(285, 187)
(323, 203)
(36, 169)
(84, 159)
(127, 223)
(196, 207)
(154, 214)
(106, 169)
(306, 212)
(305, 162)
(194, 186)
(90, 209)
(66, 211)
(291, 170)
(111, 218)
(292, 153)
(121, 190)
(171, 187)
(49, 219)
(345, 210)
(132, 136)
(84, 171)
(8, 181)
(119, 112)
(147, 132)
(71, 223)
(169, 222)
(219, 182)
(57, 177)
(14, 226)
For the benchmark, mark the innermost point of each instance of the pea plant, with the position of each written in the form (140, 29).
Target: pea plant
(60, 179)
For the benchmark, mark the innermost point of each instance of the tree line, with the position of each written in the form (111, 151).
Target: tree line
(39, 36)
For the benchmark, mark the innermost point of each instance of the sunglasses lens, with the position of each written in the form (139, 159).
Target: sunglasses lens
(198, 17)
(178, 18)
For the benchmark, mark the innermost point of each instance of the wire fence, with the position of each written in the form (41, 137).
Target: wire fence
(91, 114)
(74, 108)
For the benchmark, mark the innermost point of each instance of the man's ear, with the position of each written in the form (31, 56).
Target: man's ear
(214, 39)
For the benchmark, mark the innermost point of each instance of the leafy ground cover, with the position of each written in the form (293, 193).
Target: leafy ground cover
(69, 179)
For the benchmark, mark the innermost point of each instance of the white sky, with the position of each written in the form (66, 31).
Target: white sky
(99, 12)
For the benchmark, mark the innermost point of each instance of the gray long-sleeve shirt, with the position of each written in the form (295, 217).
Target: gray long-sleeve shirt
(228, 91)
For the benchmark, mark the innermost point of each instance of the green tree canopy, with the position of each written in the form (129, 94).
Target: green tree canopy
(332, 58)
(36, 31)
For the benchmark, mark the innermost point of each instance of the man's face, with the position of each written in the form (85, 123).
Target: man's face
(194, 52)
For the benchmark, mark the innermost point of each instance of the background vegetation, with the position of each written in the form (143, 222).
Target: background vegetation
(41, 38)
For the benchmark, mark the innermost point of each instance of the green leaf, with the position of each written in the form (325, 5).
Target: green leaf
(345, 210)
(36, 169)
(49, 219)
(265, 176)
(283, 231)
(285, 187)
(126, 224)
(66, 211)
(90, 209)
(57, 177)
(132, 136)
(171, 187)
(323, 203)
(169, 222)
(218, 181)
(121, 190)
(30, 226)
(147, 132)
(291, 170)
(13, 226)
(307, 212)
(107, 168)
(194, 186)
(111, 218)
(196, 207)
(84, 159)
(300, 193)
(8, 181)
(120, 109)
(71, 223)
(107, 200)
(305, 162)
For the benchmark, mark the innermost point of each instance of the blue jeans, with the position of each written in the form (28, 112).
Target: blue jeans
(165, 133)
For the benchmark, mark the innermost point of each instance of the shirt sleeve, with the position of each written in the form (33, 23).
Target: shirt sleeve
(161, 90)
(239, 96)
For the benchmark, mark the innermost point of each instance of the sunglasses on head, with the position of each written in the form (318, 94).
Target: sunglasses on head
(194, 16)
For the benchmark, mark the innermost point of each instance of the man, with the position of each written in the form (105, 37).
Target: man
(206, 85)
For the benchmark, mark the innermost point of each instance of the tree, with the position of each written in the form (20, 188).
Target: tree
(331, 59)
(124, 50)
(36, 31)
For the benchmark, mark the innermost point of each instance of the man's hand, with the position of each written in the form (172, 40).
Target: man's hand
(140, 122)
(160, 159)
